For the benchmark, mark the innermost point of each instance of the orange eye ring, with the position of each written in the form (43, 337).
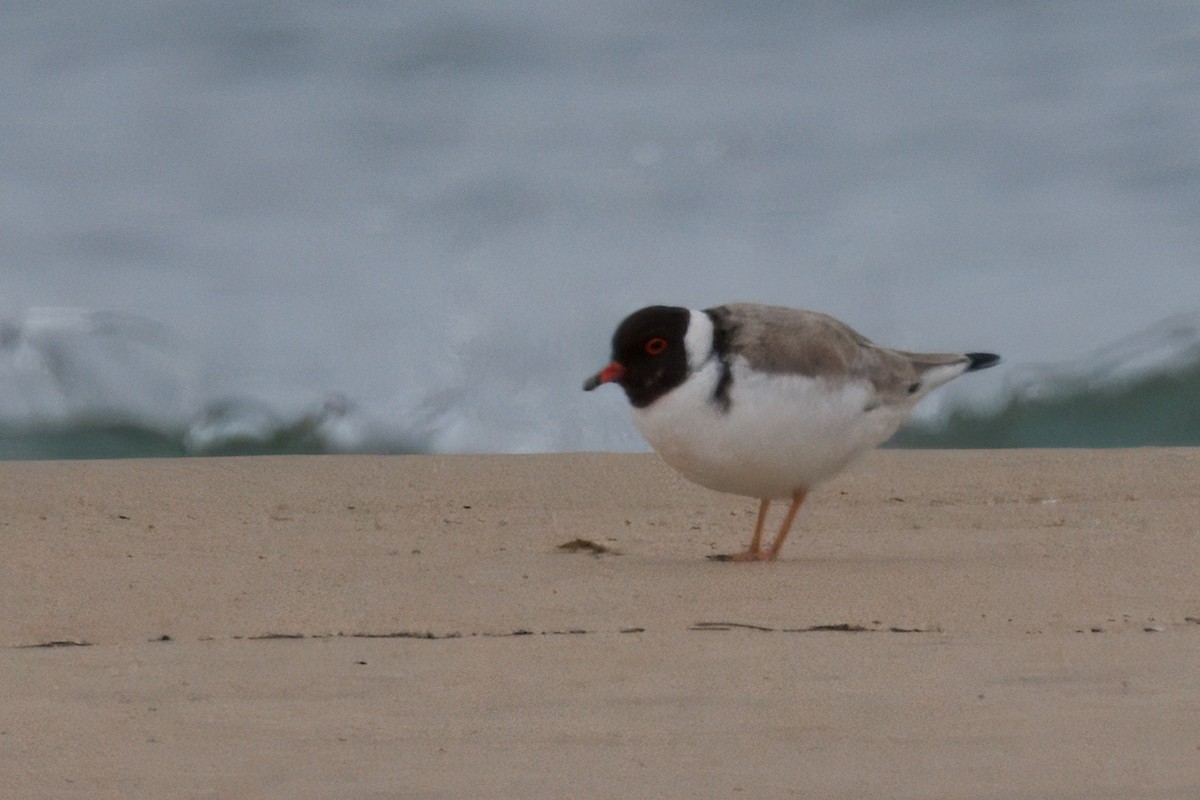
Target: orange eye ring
(656, 345)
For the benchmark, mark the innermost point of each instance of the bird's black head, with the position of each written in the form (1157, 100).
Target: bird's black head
(649, 358)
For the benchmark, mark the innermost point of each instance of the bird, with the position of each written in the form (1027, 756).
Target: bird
(765, 401)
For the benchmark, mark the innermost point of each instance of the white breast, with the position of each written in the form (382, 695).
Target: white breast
(781, 432)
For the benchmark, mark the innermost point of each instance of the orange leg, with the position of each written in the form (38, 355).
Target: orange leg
(786, 527)
(755, 552)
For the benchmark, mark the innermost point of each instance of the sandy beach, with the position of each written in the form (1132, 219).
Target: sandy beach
(961, 624)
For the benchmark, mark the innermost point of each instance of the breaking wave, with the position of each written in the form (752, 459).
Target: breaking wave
(1141, 391)
(81, 384)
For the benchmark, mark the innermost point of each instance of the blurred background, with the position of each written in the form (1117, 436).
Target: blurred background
(258, 226)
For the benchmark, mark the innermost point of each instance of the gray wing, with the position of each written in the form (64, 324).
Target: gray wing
(786, 340)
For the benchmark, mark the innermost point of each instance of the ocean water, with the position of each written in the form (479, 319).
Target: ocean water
(243, 227)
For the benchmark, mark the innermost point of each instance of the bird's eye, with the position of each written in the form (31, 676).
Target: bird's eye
(656, 345)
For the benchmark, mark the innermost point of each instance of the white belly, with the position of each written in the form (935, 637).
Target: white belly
(781, 433)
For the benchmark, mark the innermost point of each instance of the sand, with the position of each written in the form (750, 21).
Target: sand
(1004, 624)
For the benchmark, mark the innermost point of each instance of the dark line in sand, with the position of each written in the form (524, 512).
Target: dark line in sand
(836, 627)
(725, 626)
(428, 635)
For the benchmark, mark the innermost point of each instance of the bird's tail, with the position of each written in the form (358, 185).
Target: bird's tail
(981, 361)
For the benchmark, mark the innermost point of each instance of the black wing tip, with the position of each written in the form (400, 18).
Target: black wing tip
(981, 361)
